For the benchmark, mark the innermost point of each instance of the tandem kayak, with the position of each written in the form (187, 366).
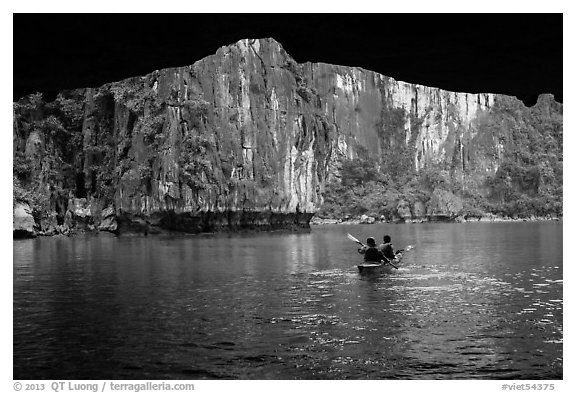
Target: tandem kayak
(383, 267)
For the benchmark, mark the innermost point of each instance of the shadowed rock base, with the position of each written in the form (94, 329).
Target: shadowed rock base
(21, 234)
(210, 222)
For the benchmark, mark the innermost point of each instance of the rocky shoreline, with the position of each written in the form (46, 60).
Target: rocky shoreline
(81, 218)
(365, 219)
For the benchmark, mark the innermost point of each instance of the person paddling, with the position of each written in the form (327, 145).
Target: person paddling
(386, 248)
(371, 252)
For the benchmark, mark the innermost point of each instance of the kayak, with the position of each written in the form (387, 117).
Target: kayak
(383, 267)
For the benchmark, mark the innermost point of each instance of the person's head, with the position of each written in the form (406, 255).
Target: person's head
(387, 239)
(371, 242)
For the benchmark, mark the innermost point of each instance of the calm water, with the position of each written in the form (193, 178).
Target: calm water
(477, 300)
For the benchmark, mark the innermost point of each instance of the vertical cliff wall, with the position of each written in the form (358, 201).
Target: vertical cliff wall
(244, 138)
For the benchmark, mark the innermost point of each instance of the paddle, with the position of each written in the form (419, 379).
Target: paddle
(386, 260)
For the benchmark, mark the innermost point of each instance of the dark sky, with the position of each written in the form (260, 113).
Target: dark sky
(515, 54)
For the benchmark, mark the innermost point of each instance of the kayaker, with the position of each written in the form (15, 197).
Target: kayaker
(370, 251)
(386, 248)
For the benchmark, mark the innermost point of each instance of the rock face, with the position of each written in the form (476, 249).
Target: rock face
(444, 204)
(23, 222)
(108, 222)
(244, 138)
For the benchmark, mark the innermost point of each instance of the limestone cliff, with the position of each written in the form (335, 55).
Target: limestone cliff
(244, 138)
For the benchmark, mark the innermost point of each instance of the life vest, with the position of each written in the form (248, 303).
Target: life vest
(372, 255)
(387, 250)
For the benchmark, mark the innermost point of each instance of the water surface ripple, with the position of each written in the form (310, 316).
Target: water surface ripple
(470, 301)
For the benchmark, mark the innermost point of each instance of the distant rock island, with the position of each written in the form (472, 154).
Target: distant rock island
(248, 138)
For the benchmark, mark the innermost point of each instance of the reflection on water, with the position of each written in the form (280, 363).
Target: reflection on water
(470, 301)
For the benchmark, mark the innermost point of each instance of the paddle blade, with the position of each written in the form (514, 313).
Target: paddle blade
(349, 236)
